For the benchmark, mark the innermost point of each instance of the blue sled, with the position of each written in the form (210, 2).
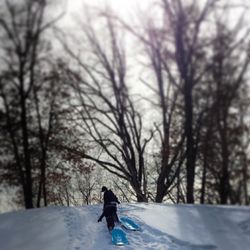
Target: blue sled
(119, 237)
(129, 224)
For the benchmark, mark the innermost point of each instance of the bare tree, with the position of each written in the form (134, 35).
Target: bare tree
(105, 109)
(167, 97)
(186, 21)
(230, 54)
(22, 27)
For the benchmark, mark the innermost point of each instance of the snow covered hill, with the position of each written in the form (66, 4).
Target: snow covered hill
(175, 227)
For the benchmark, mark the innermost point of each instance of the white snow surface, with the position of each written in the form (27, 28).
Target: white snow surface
(173, 227)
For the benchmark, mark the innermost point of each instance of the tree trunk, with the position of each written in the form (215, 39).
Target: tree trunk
(28, 196)
(141, 197)
(190, 148)
(160, 188)
(204, 176)
(224, 180)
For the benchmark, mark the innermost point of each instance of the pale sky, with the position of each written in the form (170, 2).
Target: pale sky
(124, 7)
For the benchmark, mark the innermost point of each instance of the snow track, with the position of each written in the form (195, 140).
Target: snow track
(74, 228)
(82, 232)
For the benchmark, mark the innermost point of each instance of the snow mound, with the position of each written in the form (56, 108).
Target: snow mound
(175, 227)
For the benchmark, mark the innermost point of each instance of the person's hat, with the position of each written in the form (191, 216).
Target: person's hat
(104, 189)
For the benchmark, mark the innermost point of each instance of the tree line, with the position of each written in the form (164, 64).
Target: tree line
(160, 108)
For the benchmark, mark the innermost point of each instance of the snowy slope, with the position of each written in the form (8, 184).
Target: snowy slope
(175, 227)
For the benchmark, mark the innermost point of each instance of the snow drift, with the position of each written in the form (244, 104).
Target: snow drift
(175, 227)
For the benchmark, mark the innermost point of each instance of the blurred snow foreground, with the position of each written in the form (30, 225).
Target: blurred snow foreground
(175, 227)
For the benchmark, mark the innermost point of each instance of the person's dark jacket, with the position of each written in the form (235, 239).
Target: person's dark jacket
(110, 198)
(109, 206)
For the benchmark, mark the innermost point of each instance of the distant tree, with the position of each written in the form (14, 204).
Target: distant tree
(86, 183)
(225, 92)
(72, 181)
(166, 101)
(184, 52)
(230, 54)
(227, 59)
(23, 51)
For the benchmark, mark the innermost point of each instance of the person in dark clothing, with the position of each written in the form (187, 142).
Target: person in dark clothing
(109, 208)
